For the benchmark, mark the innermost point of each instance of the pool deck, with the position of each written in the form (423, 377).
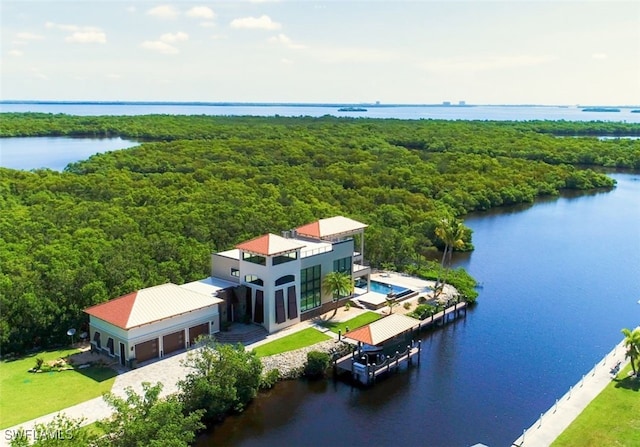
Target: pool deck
(422, 287)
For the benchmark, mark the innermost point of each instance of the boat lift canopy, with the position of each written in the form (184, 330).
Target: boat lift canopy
(384, 329)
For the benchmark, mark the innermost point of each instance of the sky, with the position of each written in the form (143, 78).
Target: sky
(561, 52)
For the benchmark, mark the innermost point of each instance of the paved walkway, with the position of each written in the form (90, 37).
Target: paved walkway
(552, 423)
(168, 370)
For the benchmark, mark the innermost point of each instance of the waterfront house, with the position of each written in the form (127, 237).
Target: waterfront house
(279, 278)
(272, 281)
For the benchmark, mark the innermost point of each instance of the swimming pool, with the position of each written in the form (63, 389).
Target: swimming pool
(380, 287)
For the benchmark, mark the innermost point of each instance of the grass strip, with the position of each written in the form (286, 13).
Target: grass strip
(297, 340)
(611, 419)
(354, 323)
(25, 396)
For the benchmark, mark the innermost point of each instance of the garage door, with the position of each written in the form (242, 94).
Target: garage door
(147, 350)
(173, 342)
(196, 331)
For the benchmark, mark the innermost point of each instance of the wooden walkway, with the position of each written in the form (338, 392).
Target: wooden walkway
(445, 315)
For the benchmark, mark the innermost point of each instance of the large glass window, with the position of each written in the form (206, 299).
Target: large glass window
(310, 288)
(342, 265)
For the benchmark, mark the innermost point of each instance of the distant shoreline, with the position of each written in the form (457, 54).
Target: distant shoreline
(287, 104)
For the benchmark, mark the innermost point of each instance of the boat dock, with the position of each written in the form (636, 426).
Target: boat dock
(366, 363)
(367, 374)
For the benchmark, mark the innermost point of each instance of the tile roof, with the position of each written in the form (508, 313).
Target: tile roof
(333, 226)
(150, 305)
(269, 245)
(383, 329)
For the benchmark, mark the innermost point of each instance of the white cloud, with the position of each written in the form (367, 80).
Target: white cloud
(131, 9)
(87, 37)
(114, 76)
(201, 12)
(15, 53)
(485, 64)
(80, 34)
(262, 22)
(174, 37)
(286, 61)
(62, 27)
(28, 36)
(599, 56)
(159, 46)
(164, 12)
(208, 24)
(286, 41)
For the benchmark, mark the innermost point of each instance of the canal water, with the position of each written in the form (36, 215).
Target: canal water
(559, 280)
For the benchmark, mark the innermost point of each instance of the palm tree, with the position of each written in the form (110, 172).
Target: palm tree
(451, 232)
(339, 285)
(632, 342)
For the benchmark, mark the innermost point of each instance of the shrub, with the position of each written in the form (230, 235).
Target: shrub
(317, 364)
(407, 305)
(422, 299)
(347, 306)
(423, 311)
(39, 362)
(268, 380)
(223, 378)
(458, 278)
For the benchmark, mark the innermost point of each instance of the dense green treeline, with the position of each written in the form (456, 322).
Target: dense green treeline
(550, 141)
(128, 219)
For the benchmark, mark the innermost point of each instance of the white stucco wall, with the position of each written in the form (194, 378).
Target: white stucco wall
(269, 274)
(221, 267)
(157, 329)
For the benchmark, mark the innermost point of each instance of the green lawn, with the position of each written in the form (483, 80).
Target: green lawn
(25, 396)
(297, 340)
(359, 321)
(611, 419)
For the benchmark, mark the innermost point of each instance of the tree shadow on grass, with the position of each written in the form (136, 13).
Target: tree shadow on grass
(329, 324)
(628, 383)
(98, 373)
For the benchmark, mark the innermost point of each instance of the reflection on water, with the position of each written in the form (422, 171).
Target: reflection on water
(54, 152)
(560, 279)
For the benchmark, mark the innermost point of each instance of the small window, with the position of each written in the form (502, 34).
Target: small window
(110, 345)
(253, 279)
(285, 279)
(235, 272)
(255, 259)
(287, 257)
